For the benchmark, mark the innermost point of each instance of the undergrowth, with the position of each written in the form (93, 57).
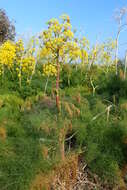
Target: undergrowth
(30, 128)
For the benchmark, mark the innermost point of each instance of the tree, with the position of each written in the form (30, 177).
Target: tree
(7, 29)
(121, 19)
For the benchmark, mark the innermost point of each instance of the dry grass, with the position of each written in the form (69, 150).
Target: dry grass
(62, 177)
(73, 174)
(3, 134)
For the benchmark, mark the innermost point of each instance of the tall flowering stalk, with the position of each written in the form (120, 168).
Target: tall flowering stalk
(25, 62)
(58, 44)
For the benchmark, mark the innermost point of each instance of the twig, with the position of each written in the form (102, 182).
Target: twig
(106, 110)
(69, 138)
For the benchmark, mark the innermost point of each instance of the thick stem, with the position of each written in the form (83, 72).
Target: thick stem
(57, 85)
(61, 143)
(62, 150)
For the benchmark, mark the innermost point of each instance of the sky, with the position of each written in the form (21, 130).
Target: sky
(91, 18)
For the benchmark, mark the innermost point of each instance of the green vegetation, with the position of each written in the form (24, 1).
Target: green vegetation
(85, 114)
(30, 122)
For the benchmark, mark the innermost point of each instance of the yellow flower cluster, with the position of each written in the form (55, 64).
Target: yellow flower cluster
(73, 50)
(46, 34)
(26, 66)
(55, 26)
(7, 54)
(75, 54)
(95, 53)
(68, 33)
(25, 61)
(57, 35)
(44, 52)
(84, 56)
(15, 57)
(49, 69)
(93, 56)
(31, 51)
(19, 47)
(106, 56)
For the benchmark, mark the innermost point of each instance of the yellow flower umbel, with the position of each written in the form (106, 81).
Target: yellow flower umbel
(28, 64)
(49, 69)
(26, 68)
(7, 55)
(44, 53)
(19, 49)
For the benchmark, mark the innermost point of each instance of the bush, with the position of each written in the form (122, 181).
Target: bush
(114, 87)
